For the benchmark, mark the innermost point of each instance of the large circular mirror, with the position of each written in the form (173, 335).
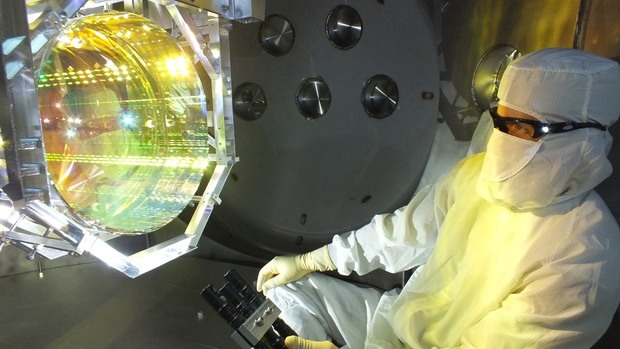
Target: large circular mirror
(124, 122)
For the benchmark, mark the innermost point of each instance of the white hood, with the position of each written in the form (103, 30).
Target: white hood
(553, 85)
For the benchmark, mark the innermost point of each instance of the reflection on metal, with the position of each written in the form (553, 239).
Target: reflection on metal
(249, 101)
(347, 166)
(470, 28)
(380, 96)
(19, 117)
(276, 35)
(488, 74)
(343, 27)
(45, 19)
(581, 26)
(313, 98)
(135, 90)
(126, 136)
(239, 10)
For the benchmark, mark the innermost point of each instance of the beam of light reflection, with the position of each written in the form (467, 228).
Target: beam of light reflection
(349, 25)
(392, 100)
(125, 128)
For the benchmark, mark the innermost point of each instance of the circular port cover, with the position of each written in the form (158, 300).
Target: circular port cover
(249, 101)
(276, 35)
(313, 98)
(380, 96)
(343, 27)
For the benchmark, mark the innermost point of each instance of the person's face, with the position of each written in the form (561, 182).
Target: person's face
(516, 129)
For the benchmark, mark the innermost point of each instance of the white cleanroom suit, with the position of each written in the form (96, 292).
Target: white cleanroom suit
(516, 249)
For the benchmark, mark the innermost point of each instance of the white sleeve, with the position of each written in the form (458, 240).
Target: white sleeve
(393, 242)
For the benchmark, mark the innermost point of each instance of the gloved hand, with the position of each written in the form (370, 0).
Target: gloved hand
(284, 269)
(294, 342)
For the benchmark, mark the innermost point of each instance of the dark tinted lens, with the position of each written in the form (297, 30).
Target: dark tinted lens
(500, 125)
(498, 122)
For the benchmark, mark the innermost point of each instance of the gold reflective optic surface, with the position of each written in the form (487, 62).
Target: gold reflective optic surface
(124, 119)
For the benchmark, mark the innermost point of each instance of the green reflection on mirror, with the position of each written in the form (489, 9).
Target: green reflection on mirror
(124, 118)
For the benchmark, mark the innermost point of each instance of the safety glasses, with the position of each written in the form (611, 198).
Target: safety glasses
(536, 129)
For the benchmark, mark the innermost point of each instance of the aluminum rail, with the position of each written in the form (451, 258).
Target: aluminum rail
(42, 221)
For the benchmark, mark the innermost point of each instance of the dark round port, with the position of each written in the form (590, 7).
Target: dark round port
(276, 35)
(343, 27)
(313, 98)
(380, 96)
(249, 102)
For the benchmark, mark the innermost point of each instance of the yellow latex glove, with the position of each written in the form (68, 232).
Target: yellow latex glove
(294, 342)
(284, 269)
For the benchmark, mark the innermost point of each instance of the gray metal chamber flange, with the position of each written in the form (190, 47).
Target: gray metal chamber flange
(300, 180)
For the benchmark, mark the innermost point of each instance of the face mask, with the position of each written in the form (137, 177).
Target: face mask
(525, 174)
(507, 155)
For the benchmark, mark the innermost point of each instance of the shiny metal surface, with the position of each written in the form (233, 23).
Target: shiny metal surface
(343, 27)
(241, 10)
(20, 124)
(249, 101)
(277, 35)
(313, 98)
(71, 107)
(471, 28)
(380, 96)
(488, 73)
(301, 178)
(71, 304)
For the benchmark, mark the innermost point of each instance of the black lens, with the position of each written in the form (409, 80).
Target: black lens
(498, 123)
(501, 125)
